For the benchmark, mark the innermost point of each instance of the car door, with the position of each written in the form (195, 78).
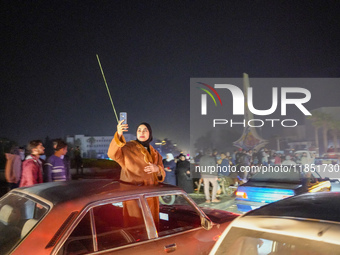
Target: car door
(126, 226)
(174, 227)
(179, 225)
(107, 228)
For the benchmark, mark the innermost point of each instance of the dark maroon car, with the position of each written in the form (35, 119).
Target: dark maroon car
(90, 217)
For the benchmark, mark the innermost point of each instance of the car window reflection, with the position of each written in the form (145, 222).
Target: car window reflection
(176, 214)
(114, 226)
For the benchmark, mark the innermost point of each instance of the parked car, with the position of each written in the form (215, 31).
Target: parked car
(95, 216)
(281, 182)
(329, 165)
(308, 224)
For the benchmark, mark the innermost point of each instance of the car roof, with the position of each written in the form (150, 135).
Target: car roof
(319, 206)
(59, 192)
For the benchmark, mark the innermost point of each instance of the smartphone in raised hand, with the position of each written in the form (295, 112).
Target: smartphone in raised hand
(123, 116)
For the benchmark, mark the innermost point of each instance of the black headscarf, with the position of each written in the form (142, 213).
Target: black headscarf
(147, 142)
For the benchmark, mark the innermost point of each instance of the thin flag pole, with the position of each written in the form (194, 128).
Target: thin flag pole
(108, 91)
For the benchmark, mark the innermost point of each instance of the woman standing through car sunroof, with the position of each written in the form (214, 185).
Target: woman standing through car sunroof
(141, 165)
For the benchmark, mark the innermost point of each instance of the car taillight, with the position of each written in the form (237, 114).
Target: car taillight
(241, 194)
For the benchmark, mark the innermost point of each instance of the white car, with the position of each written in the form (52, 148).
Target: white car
(307, 224)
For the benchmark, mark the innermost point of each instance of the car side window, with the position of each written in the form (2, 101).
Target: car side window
(19, 214)
(81, 240)
(119, 224)
(175, 214)
(115, 224)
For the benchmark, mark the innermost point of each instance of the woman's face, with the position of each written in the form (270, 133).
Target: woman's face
(143, 133)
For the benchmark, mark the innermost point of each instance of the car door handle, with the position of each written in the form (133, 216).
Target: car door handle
(170, 248)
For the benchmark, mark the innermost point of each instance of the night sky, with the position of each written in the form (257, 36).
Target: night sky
(51, 83)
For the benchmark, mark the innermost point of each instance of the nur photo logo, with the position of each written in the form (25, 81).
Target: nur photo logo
(239, 100)
(204, 97)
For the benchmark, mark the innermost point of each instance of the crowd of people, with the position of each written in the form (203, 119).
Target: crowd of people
(238, 160)
(30, 170)
(141, 164)
(178, 172)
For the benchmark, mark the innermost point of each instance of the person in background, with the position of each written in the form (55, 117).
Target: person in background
(206, 164)
(216, 155)
(288, 161)
(297, 158)
(265, 157)
(242, 160)
(223, 175)
(78, 160)
(277, 160)
(305, 161)
(254, 157)
(170, 167)
(56, 167)
(233, 157)
(331, 149)
(22, 153)
(198, 157)
(13, 168)
(183, 174)
(32, 167)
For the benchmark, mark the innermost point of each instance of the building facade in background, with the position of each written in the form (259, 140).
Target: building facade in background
(94, 146)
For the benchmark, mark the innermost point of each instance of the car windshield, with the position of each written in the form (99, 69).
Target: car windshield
(288, 174)
(251, 242)
(19, 214)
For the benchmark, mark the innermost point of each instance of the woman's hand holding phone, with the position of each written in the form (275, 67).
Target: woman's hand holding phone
(122, 128)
